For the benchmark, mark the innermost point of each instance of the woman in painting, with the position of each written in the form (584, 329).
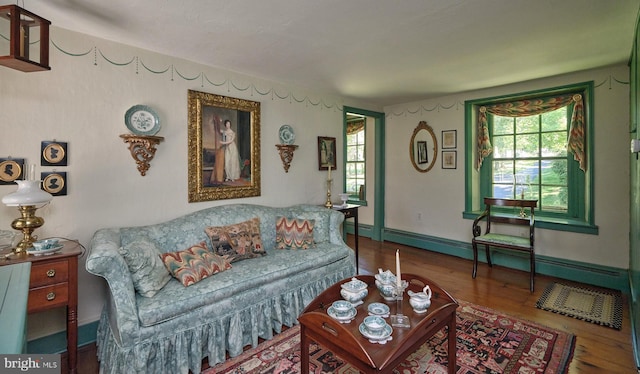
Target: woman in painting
(231, 156)
(216, 148)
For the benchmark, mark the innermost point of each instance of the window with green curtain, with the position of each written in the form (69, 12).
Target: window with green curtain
(355, 161)
(534, 145)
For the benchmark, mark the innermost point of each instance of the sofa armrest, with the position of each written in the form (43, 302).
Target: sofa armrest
(104, 260)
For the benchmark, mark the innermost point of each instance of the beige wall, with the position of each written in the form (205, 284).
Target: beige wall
(82, 101)
(440, 194)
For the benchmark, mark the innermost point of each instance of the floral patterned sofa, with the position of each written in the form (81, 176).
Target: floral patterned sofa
(176, 328)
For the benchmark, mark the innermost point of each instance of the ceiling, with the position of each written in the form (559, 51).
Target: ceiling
(381, 52)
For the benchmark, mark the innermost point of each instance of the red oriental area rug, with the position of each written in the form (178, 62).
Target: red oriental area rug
(487, 342)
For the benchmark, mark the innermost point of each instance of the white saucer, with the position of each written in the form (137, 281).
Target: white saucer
(382, 338)
(378, 309)
(42, 252)
(348, 317)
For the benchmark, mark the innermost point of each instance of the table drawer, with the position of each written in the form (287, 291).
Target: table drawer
(48, 297)
(49, 273)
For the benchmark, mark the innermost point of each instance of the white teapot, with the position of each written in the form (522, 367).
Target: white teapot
(420, 301)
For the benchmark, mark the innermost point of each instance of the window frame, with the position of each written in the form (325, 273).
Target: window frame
(580, 217)
(354, 195)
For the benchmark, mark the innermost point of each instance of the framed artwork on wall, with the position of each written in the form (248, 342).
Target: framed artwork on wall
(326, 153)
(449, 139)
(449, 159)
(11, 169)
(53, 153)
(223, 147)
(54, 182)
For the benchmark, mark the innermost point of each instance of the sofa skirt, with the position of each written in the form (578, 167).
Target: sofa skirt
(180, 345)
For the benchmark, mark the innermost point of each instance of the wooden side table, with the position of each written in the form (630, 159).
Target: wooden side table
(351, 211)
(53, 283)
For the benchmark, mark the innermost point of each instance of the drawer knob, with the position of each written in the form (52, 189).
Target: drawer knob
(51, 296)
(51, 273)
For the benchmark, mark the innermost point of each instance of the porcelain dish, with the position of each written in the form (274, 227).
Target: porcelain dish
(380, 338)
(378, 309)
(142, 120)
(287, 135)
(354, 285)
(342, 317)
(41, 252)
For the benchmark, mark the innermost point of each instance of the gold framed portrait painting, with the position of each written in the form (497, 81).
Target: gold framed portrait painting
(224, 147)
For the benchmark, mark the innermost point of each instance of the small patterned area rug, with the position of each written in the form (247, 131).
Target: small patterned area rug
(487, 342)
(596, 305)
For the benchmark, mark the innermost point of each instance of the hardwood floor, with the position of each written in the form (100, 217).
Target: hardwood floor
(598, 349)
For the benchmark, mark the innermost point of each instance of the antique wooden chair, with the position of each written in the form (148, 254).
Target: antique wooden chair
(524, 217)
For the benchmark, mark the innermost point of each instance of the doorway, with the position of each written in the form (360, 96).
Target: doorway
(372, 198)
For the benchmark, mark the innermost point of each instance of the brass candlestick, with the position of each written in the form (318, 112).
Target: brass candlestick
(328, 203)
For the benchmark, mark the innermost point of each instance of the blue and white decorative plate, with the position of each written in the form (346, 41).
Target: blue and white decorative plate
(142, 120)
(378, 309)
(287, 136)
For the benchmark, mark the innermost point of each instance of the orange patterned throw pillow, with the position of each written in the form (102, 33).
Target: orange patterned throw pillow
(238, 241)
(294, 233)
(194, 264)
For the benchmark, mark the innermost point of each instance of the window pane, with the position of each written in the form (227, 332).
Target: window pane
(503, 171)
(556, 120)
(350, 170)
(554, 144)
(554, 198)
(360, 153)
(359, 169)
(352, 153)
(352, 139)
(527, 124)
(554, 172)
(527, 174)
(503, 146)
(527, 145)
(502, 125)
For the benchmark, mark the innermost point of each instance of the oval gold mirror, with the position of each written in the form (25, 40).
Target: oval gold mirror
(423, 148)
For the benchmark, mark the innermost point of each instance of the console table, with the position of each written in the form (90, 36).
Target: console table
(53, 283)
(351, 211)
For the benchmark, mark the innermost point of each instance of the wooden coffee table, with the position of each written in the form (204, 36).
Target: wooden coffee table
(346, 341)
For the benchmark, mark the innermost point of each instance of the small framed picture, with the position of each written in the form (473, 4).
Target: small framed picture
(326, 153)
(53, 153)
(54, 183)
(449, 139)
(449, 159)
(11, 169)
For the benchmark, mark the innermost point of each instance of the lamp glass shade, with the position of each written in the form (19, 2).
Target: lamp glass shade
(28, 193)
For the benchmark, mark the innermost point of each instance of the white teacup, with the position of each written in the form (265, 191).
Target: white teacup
(375, 324)
(341, 306)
